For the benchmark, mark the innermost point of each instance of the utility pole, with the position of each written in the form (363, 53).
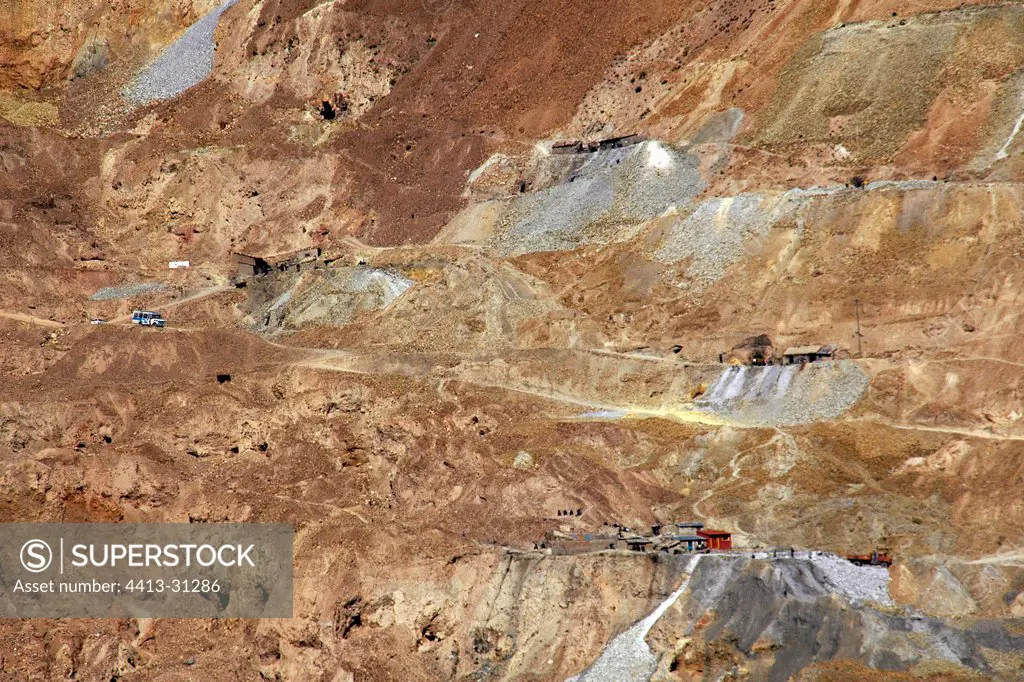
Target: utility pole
(860, 348)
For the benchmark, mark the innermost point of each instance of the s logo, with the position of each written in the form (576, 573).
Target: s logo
(36, 556)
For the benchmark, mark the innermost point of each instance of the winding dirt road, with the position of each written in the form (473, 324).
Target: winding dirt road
(31, 319)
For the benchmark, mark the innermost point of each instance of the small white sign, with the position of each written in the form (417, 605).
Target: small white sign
(175, 264)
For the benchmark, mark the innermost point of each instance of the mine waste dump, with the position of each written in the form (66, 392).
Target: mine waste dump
(184, 64)
(812, 606)
(786, 395)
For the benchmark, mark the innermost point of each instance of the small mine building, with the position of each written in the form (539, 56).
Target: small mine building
(800, 355)
(249, 266)
(716, 539)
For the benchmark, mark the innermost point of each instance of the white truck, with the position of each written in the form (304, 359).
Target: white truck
(148, 318)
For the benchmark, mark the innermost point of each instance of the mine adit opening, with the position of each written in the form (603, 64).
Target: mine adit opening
(329, 109)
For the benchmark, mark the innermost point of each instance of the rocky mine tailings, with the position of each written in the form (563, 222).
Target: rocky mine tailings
(771, 618)
(601, 200)
(184, 64)
(776, 395)
(627, 657)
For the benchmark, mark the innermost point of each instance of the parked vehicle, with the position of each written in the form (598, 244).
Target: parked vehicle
(98, 320)
(148, 318)
(876, 558)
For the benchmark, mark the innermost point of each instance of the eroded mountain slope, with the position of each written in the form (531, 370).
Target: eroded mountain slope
(496, 331)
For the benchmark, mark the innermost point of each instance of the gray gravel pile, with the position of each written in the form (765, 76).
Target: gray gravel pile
(606, 200)
(822, 391)
(185, 63)
(856, 583)
(781, 396)
(127, 291)
(656, 178)
(714, 234)
(830, 574)
(614, 192)
(555, 219)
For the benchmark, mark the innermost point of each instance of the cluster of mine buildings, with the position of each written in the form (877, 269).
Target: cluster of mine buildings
(295, 261)
(760, 350)
(678, 538)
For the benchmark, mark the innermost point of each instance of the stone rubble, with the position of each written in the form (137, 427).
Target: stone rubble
(127, 291)
(785, 396)
(607, 199)
(184, 64)
(856, 583)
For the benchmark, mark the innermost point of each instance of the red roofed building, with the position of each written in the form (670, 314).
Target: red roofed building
(717, 539)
